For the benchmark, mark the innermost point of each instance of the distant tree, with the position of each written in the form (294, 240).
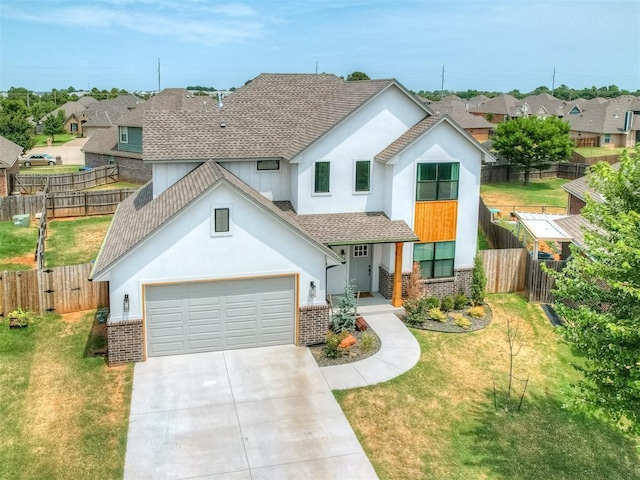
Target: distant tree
(355, 76)
(599, 294)
(533, 143)
(14, 125)
(540, 89)
(54, 124)
(40, 109)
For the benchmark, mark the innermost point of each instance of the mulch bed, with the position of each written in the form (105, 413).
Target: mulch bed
(449, 326)
(352, 354)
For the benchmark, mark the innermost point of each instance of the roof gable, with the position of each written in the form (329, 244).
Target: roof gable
(9, 152)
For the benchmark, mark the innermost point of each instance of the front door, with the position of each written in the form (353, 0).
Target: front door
(360, 267)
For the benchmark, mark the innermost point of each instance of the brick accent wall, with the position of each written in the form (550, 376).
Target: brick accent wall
(125, 342)
(4, 182)
(129, 169)
(575, 205)
(439, 287)
(314, 324)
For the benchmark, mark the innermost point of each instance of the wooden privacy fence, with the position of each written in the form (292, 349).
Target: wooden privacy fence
(19, 205)
(505, 269)
(539, 282)
(82, 204)
(498, 236)
(42, 235)
(65, 182)
(60, 290)
(514, 173)
(578, 158)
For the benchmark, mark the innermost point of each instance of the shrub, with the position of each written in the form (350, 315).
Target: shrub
(21, 318)
(447, 303)
(460, 301)
(476, 311)
(345, 319)
(414, 310)
(332, 344)
(462, 321)
(437, 315)
(478, 281)
(367, 342)
(415, 287)
(431, 302)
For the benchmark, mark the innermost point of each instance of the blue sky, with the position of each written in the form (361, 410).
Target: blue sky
(483, 44)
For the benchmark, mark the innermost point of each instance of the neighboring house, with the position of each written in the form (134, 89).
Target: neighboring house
(105, 113)
(74, 115)
(476, 126)
(579, 190)
(121, 143)
(260, 209)
(9, 165)
(606, 124)
(497, 109)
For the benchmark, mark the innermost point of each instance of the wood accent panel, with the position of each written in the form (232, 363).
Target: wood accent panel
(436, 221)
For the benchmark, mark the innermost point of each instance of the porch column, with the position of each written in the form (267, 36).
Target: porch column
(396, 299)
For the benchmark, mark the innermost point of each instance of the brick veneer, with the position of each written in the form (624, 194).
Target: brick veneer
(439, 287)
(129, 169)
(125, 341)
(314, 323)
(4, 187)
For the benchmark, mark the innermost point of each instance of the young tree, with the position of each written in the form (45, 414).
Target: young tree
(478, 281)
(533, 143)
(598, 294)
(14, 125)
(54, 124)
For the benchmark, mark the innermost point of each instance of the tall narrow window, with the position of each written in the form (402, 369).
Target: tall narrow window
(321, 178)
(436, 259)
(221, 220)
(124, 135)
(363, 176)
(437, 181)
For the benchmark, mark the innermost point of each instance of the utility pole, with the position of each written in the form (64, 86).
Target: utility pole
(442, 84)
(553, 82)
(158, 74)
(316, 67)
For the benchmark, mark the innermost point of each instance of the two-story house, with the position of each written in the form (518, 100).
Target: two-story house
(261, 207)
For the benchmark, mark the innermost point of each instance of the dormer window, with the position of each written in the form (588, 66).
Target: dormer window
(124, 134)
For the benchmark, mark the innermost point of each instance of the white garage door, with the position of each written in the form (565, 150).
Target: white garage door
(204, 317)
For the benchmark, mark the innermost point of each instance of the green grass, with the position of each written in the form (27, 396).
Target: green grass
(115, 185)
(16, 242)
(513, 194)
(62, 415)
(50, 169)
(438, 420)
(41, 139)
(71, 242)
(598, 151)
(483, 241)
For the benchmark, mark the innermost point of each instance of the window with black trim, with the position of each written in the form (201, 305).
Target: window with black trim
(124, 135)
(221, 220)
(437, 181)
(321, 177)
(436, 258)
(268, 165)
(607, 138)
(363, 176)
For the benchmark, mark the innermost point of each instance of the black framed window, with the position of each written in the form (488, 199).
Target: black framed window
(267, 165)
(321, 177)
(363, 176)
(435, 258)
(221, 220)
(437, 181)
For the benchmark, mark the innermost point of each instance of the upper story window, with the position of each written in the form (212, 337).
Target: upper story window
(437, 181)
(268, 165)
(220, 221)
(322, 173)
(124, 134)
(362, 176)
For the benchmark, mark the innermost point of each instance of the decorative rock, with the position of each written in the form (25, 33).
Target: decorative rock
(348, 342)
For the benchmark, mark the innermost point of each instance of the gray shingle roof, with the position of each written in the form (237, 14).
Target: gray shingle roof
(502, 104)
(9, 152)
(580, 188)
(140, 214)
(105, 113)
(273, 116)
(459, 113)
(575, 225)
(406, 139)
(607, 117)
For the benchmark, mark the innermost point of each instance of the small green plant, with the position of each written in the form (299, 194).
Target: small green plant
(461, 321)
(21, 318)
(478, 281)
(332, 344)
(345, 319)
(447, 303)
(431, 302)
(476, 311)
(460, 301)
(437, 315)
(367, 342)
(414, 311)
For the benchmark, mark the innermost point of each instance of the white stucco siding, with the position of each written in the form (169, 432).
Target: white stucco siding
(166, 174)
(184, 250)
(442, 144)
(360, 137)
(273, 184)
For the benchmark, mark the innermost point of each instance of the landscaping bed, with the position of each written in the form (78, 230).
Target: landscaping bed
(449, 325)
(352, 354)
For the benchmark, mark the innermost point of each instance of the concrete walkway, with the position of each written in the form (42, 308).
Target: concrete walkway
(399, 352)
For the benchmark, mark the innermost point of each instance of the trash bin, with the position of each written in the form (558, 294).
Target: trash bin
(21, 220)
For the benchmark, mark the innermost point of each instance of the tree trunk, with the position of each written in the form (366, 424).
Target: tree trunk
(527, 171)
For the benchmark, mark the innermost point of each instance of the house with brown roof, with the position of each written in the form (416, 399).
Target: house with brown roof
(476, 126)
(261, 208)
(9, 155)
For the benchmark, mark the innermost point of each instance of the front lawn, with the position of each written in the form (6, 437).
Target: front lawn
(511, 195)
(50, 169)
(17, 246)
(76, 240)
(62, 415)
(60, 139)
(438, 420)
(598, 151)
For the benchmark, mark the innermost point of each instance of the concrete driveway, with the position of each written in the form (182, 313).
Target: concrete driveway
(261, 413)
(69, 152)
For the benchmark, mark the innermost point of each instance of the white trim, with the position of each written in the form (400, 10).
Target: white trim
(123, 131)
(353, 184)
(212, 217)
(313, 180)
